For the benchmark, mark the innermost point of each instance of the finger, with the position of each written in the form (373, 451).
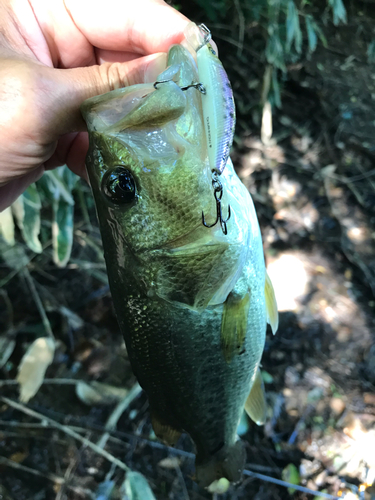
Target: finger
(141, 26)
(103, 56)
(65, 90)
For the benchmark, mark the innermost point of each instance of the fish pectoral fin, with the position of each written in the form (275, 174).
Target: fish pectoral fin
(256, 406)
(234, 324)
(165, 432)
(271, 305)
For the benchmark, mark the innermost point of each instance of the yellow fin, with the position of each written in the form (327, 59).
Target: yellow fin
(256, 406)
(165, 432)
(271, 305)
(234, 324)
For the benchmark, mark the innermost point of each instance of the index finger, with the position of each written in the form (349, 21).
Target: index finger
(141, 26)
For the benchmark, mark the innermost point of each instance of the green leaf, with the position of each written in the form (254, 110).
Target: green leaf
(311, 33)
(62, 231)
(290, 23)
(137, 487)
(57, 186)
(274, 52)
(276, 97)
(291, 475)
(7, 226)
(321, 36)
(63, 215)
(371, 52)
(26, 210)
(338, 11)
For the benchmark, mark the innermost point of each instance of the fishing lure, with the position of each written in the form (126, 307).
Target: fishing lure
(218, 109)
(217, 101)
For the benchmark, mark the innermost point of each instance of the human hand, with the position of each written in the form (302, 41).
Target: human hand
(54, 54)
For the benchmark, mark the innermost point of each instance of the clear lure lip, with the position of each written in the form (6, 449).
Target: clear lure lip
(217, 102)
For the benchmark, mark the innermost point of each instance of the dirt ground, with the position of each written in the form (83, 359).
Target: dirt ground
(313, 184)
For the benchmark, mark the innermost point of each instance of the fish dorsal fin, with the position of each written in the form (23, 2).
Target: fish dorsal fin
(256, 406)
(271, 305)
(234, 324)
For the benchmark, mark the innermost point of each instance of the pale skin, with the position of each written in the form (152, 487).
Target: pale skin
(54, 54)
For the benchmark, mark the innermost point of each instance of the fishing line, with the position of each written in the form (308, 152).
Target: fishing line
(279, 482)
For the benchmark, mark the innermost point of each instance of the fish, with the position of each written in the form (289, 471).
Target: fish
(192, 302)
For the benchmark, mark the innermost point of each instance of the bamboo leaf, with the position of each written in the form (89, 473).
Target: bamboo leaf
(33, 367)
(57, 186)
(96, 393)
(7, 345)
(276, 95)
(7, 226)
(62, 231)
(137, 487)
(274, 51)
(371, 52)
(26, 210)
(312, 39)
(290, 23)
(338, 11)
(63, 215)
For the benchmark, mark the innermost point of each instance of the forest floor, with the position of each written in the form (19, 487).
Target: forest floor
(313, 184)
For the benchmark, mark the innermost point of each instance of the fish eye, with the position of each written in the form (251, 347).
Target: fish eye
(119, 186)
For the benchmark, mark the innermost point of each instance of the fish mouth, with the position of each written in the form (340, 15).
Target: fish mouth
(196, 240)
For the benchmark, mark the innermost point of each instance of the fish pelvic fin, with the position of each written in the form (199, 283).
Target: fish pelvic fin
(271, 305)
(165, 432)
(226, 463)
(256, 406)
(234, 324)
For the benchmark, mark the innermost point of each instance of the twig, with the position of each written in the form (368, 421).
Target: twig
(124, 467)
(47, 475)
(66, 430)
(241, 21)
(58, 381)
(117, 412)
(38, 302)
(269, 479)
(67, 475)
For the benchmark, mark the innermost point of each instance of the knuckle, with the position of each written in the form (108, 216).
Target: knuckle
(113, 76)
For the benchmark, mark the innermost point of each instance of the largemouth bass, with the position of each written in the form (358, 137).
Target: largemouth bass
(191, 301)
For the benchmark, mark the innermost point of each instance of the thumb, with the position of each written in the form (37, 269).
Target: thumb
(66, 89)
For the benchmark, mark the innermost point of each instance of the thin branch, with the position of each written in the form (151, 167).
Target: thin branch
(269, 479)
(38, 302)
(58, 381)
(241, 21)
(117, 412)
(46, 475)
(121, 465)
(66, 430)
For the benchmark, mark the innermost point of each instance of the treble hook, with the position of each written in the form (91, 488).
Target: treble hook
(196, 85)
(218, 193)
